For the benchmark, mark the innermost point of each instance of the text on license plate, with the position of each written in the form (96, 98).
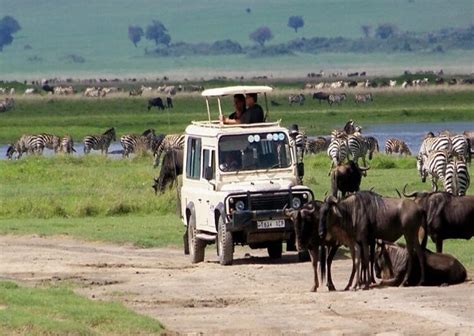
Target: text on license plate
(271, 224)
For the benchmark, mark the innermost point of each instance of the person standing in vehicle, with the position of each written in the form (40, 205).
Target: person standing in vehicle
(239, 106)
(254, 112)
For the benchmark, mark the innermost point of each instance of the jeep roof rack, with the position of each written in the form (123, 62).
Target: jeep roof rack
(232, 90)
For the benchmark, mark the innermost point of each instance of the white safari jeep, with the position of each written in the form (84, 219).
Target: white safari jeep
(237, 179)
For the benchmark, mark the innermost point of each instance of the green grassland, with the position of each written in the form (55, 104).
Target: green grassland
(97, 31)
(58, 311)
(80, 116)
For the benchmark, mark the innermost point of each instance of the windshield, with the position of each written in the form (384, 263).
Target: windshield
(254, 151)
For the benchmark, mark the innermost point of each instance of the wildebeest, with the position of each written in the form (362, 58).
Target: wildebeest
(359, 219)
(156, 102)
(448, 216)
(321, 96)
(391, 261)
(171, 168)
(346, 178)
(169, 102)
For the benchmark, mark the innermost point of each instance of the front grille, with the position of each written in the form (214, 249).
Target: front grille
(267, 202)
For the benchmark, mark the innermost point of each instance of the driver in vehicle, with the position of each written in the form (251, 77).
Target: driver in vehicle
(229, 163)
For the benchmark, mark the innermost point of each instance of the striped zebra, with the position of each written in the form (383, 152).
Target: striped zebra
(363, 98)
(133, 142)
(434, 143)
(298, 139)
(297, 99)
(314, 146)
(357, 148)
(67, 145)
(50, 141)
(461, 146)
(372, 146)
(396, 146)
(170, 141)
(434, 165)
(337, 152)
(29, 144)
(457, 179)
(99, 142)
(336, 98)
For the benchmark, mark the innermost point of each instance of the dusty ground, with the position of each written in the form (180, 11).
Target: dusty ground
(253, 296)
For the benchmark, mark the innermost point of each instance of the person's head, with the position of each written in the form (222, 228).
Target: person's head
(239, 102)
(250, 99)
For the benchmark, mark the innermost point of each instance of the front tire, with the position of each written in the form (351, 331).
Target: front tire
(225, 244)
(275, 249)
(196, 246)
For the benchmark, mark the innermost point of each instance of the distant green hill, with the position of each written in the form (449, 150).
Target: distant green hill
(61, 32)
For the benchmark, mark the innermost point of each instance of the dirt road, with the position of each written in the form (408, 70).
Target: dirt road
(254, 296)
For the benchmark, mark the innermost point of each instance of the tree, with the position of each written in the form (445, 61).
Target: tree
(295, 22)
(261, 35)
(8, 27)
(385, 30)
(157, 32)
(366, 29)
(135, 34)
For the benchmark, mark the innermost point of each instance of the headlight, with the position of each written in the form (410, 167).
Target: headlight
(295, 203)
(240, 205)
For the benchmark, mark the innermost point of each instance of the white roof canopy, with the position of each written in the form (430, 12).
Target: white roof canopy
(231, 90)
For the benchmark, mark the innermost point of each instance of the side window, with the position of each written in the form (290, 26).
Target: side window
(193, 159)
(208, 160)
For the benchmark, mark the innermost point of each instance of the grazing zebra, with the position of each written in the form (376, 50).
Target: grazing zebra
(372, 146)
(337, 152)
(363, 98)
(50, 141)
(434, 165)
(457, 179)
(67, 145)
(29, 144)
(357, 148)
(133, 142)
(99, 142)
(170, 141)
(314, 146)
(298, 99)
(396, 146)
(336, 98)
(434, 143)
(7, 104)
(461, 146)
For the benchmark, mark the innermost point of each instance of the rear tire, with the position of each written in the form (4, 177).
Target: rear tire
(196, 246)
(225, 244)
(275, 249)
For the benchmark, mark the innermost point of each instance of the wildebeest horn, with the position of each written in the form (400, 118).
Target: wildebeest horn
(364, 168)
(408, 195)
(398, 192)
(436, 187)
(331, 199)
(372, 189)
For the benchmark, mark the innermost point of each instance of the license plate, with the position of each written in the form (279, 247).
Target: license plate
(271, 224)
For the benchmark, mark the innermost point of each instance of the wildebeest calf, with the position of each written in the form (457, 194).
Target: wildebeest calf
(156, 102)
(391, 263)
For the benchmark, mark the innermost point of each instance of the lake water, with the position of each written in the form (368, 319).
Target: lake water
(412, 134)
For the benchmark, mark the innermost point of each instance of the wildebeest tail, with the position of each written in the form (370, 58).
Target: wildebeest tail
(322, 261)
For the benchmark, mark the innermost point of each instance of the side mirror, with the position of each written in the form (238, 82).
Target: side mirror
(300, 169)
(208, 173)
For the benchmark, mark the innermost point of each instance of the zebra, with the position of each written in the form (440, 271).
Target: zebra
(298, 139)
(314, 146)
(67, 145)
(170, 141)
(363, 98)
(133, 142)
(372, 146)
(357, 148)
(396, 146)
(298, 99)
(101, 141)
(434, 165)
(461, 146)
(7, 104)
(337, 152)
(434, 143)
(29, 144)
(135, 92)
(336, 98)
(50, 141)
(457, 179)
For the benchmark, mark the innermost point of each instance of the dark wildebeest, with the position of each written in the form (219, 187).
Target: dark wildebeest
(48, 88)
(448, 216)
(391, 262)
(365, 216)
(169, 102)
(346, 178)
(321, 96)
(274, 103)
(171, 168)
(156, 102)
(306, 222)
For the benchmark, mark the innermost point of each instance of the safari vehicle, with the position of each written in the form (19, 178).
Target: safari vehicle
(237, 179)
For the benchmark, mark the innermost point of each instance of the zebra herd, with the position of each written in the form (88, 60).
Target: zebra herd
(131, 143)
(331, 98)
